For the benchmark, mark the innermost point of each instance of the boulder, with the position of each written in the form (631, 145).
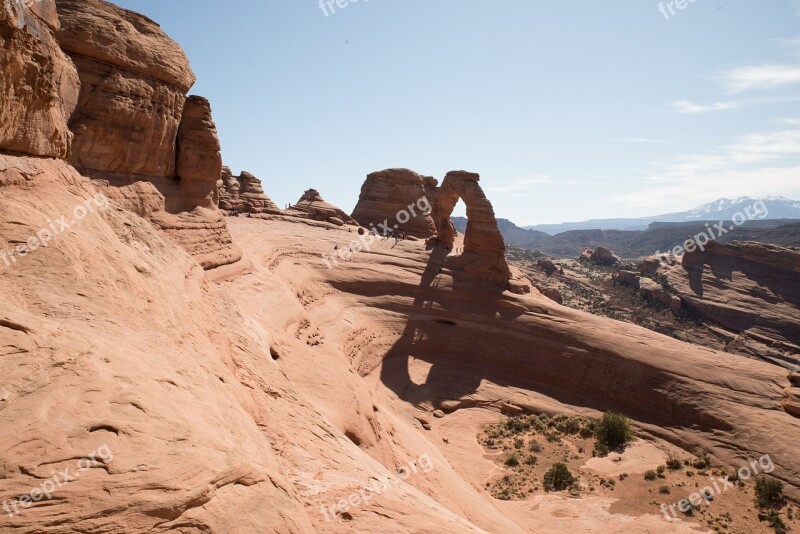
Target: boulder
(603, 256)
(627, 278)
(547, 266)
(553, 294)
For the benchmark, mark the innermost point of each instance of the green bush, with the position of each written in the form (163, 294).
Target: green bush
(512, 460)
(673, 463)
(769, 494)
(613, 431)
(558, 478)
(777, 523)
(650, 475)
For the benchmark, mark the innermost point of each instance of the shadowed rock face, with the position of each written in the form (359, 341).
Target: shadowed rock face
(385, 199)
(243, 194)
(38, 82)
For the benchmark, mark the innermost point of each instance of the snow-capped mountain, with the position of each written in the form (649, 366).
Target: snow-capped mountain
(722, 209)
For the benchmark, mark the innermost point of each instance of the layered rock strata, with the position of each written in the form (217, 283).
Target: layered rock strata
(243, 194)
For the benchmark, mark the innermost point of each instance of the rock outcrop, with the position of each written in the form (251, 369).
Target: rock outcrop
(396, 198)
(134, 81)
(38, 82)
(747, 288)
(403, 201)
(314, 207)
(600, 256)
(243, 194)
(484, 247)
(133, 123)
(199, 162)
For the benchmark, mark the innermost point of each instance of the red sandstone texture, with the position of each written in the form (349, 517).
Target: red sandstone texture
(256, 396)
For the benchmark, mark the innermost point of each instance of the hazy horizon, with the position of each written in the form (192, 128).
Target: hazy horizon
(658, 115)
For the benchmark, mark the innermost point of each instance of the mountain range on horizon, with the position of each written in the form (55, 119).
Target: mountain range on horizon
(721, 209)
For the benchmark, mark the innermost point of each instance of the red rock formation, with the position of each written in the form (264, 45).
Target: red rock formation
(313, 206)
(389, 197)
(484, 247)
(199, 163)
(747, 288)
(244, 194)
(133, 123)
(39, 84)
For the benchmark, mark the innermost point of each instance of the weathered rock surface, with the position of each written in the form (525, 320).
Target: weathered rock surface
(133, 85)
(395, 197)
(133, 123)
(244, 194)
(199, 162)
(484, 247)
(38, 82)
(748, 288)
(314, 207)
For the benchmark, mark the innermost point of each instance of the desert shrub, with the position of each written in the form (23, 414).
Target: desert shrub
(701, 463)
(512, 460)
(769, 494)
(613, 431)
(664, 490)
(517, 425)
(558, 478)
(673, 463)
(535, 446)
(571, 425)
(519, 443)
(531, 460)
(650, 475)
(776, 523)
(660, 470)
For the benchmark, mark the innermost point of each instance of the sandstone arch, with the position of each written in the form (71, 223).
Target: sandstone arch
(484, 247)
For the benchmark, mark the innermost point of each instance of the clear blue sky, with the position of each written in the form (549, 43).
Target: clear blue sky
(568, 109)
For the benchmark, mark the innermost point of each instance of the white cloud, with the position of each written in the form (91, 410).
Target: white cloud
(684, 106)
(761, 77)
(758, 147)
(757, 164)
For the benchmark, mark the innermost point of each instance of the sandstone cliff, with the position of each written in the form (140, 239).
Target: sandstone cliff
(39, 84)
(749, 289)
(134, 124)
